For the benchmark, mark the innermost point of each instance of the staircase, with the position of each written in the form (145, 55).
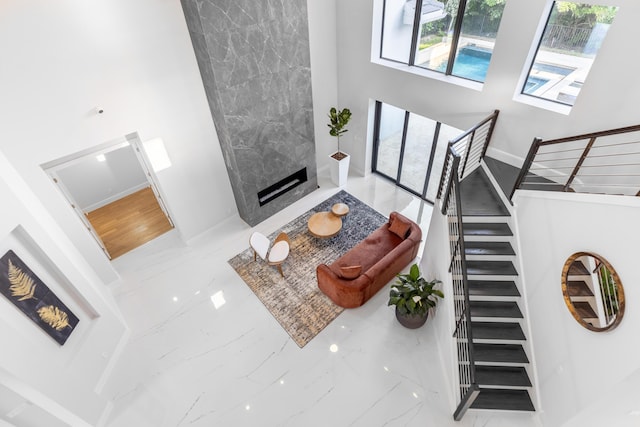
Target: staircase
(496, 319)
(580, 292)
(492, 349)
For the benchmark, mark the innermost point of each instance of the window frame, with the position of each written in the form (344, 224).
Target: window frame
(453, 49)
(397, 179)
(540, 101)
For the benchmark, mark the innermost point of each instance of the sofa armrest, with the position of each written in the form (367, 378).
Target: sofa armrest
(345, 293)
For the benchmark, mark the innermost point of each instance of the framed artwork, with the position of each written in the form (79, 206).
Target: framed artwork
(26, 291)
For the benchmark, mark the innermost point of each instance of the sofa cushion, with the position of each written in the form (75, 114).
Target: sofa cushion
(400, 228)
(350, 272)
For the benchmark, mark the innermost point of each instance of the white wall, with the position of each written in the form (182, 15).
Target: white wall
(575, 366)
(63, 381)
(324, 85)
(132, 59)
(93, 183)
(607, 99)
(435, 265)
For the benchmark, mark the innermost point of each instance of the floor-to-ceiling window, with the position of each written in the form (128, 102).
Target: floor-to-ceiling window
(454, 37)
(409, 149)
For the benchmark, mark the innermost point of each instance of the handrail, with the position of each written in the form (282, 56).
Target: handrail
(472, 145)
(469, 388)
(550, 164)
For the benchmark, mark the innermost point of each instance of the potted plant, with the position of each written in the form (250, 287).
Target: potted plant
(339, 161)
(413, 296)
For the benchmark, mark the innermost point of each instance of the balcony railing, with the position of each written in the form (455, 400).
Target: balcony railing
(606, 162)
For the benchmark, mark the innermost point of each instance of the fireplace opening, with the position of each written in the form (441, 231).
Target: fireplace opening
(282, 186)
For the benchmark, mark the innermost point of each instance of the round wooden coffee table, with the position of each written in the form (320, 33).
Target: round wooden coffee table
(324, 225)
(340, 209)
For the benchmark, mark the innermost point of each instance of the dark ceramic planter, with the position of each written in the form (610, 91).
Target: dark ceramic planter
(411, 321)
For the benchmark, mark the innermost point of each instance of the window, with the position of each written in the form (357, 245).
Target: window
(409, 149)
(569, 44)
(454, 37)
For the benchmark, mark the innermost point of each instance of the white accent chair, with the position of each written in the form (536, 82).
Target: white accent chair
(275, 255)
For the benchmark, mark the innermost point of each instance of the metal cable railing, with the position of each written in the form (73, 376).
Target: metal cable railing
(471, 147)
(605, 162)
(464, 155)
(464, 337)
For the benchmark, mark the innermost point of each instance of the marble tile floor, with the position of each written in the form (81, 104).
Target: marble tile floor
(205, 352)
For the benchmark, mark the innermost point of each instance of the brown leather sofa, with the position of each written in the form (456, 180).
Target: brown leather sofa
(357, 275)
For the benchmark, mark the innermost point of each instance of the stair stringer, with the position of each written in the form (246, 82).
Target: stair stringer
(520, 282)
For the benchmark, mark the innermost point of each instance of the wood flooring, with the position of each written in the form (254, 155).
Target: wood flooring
(129, 222)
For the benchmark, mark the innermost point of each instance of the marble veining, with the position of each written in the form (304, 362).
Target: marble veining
(254, 60)
(205, 352)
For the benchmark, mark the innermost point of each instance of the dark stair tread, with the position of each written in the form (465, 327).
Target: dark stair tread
(506, 288)
(479, 197)
(510, 400)
(504, 174)
(508, 309)
(488, 248)
(487, 229)
(578, 288)
(514, 376)
(497, 331)
(584, 310)
(499, 353)
(494, 268)
(578, 268)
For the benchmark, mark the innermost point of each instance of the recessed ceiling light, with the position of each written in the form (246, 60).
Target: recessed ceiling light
(333, 348)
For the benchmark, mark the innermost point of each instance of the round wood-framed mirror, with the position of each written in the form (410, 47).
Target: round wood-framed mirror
(593, 291)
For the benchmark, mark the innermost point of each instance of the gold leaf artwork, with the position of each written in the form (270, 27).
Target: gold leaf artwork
(55, 317)
(21, 284)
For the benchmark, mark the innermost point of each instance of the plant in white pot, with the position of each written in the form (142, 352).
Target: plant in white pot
(339, 161)
(413, 296)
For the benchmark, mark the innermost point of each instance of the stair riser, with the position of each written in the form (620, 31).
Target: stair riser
(511, 258)
(487, 219)
(507, 387)
(494, 298)
(474, 238)
(490, 277)
(498, 341)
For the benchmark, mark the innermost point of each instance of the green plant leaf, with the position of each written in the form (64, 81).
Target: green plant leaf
(414, 273)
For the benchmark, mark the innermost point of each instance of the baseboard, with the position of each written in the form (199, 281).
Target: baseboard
(115, 197)
(505, 157)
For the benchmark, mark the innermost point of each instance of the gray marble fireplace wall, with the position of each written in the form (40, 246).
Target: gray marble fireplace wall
(254, 61)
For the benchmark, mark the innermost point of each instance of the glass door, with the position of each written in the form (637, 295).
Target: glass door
(409, 149)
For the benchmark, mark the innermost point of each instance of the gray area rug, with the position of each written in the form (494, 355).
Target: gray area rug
(295, 300)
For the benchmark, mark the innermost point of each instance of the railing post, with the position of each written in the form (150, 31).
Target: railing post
(575, 170)
(445, 199)
(533, 150)
(444, 170)
(466, 402)
(494, 119)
